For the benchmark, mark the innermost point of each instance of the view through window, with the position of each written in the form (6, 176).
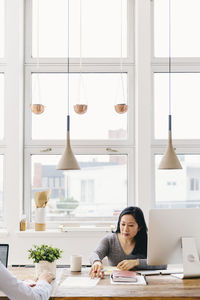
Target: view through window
(99, 189)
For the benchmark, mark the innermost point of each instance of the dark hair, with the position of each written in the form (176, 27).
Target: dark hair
(141, 237)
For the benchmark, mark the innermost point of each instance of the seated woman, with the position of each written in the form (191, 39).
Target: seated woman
(126, 248)
(16, 289)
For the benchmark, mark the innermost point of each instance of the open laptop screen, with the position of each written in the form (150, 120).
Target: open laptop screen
(4, 254)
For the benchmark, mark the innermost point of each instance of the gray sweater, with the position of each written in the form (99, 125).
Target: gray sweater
(110, 246)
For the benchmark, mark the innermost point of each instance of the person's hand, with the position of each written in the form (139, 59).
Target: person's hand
(128, 264)
(96, 270)
(47, 276)
(30, 282)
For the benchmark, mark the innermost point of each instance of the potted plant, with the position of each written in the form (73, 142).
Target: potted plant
(44, 257)
(67, 204)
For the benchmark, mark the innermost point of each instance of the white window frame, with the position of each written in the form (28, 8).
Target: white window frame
(89, 65)
(179, 65)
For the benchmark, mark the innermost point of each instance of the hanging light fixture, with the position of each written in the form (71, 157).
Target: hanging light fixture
(37, 108)
(122, 106)
(170, 160)
(81, 106)
(68, 160)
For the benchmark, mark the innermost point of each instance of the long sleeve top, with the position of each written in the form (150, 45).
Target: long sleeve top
(110, 246)
(16, 289)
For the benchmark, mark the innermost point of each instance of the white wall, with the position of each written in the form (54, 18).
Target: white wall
(71, 242)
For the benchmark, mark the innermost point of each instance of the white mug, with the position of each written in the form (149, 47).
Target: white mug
(75, 263)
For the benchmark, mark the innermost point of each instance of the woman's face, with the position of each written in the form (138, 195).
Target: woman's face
(128, 227)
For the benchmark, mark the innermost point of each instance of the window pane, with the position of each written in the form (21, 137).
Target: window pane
(185, 105)
(2, 27)
(1, 187)
(101, 91)
(101, 25)
(1, 106)
(178, 188)
(99, 189)
(185, 24)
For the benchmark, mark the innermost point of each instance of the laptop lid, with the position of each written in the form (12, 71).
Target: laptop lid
(4, 248)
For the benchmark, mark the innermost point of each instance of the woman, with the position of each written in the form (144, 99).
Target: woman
(16, 289)
(127, 247)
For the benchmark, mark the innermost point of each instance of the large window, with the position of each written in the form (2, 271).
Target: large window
(1, 147)
(185, 34)
(2, 111)
(177, 188)
(1, 190)
(103, 91)
(99, 38)
(102, 139)
(1, 106)
(2, 28)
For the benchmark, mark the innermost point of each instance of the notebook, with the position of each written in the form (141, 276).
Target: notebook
(4, 248)
(124, 276)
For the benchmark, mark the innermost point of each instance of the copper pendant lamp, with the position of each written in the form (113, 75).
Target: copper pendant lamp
(37, 108)
(170, 160)
(81, 107)
(68, 160)
(121, 107)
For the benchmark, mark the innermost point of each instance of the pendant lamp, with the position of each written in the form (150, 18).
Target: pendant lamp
(68, 160)
(170, 160)
(121, 107)
(81, 106)
(37, 108)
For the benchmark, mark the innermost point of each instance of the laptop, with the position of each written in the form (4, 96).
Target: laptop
(4, 248)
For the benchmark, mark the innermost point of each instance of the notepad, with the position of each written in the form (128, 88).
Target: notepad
(124, 276)
(140, 281)
(79, 282)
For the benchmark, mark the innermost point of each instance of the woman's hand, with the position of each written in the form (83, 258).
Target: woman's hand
(128, 264)
(96, 270)
(47, 276)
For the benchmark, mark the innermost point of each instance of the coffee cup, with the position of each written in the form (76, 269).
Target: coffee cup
(75, 263)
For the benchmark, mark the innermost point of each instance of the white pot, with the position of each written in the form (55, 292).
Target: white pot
(44, 265)
(40, 215)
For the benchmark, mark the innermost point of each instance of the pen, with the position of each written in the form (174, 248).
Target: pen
(145, 280)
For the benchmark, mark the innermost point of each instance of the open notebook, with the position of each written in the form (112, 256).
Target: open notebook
(4, 248)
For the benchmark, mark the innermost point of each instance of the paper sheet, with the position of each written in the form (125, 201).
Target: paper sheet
(140, 281)
(79, 282)
(109, 269)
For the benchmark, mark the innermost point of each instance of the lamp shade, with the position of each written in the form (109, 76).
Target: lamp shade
(68, 160)
(170, 160)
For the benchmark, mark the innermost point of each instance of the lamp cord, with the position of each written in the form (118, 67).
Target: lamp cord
(68, 65)
(121, 36)
(37, 57)
(80, 72)
(170, 46)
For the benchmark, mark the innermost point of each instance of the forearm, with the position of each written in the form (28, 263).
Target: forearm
(94, 257)
(41, 291)
(18, 290)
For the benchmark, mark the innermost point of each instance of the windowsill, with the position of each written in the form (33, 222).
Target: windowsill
(59, 233)
(3, 233)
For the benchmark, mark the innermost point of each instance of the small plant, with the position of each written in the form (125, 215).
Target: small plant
(44, 252)
(67, 204)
